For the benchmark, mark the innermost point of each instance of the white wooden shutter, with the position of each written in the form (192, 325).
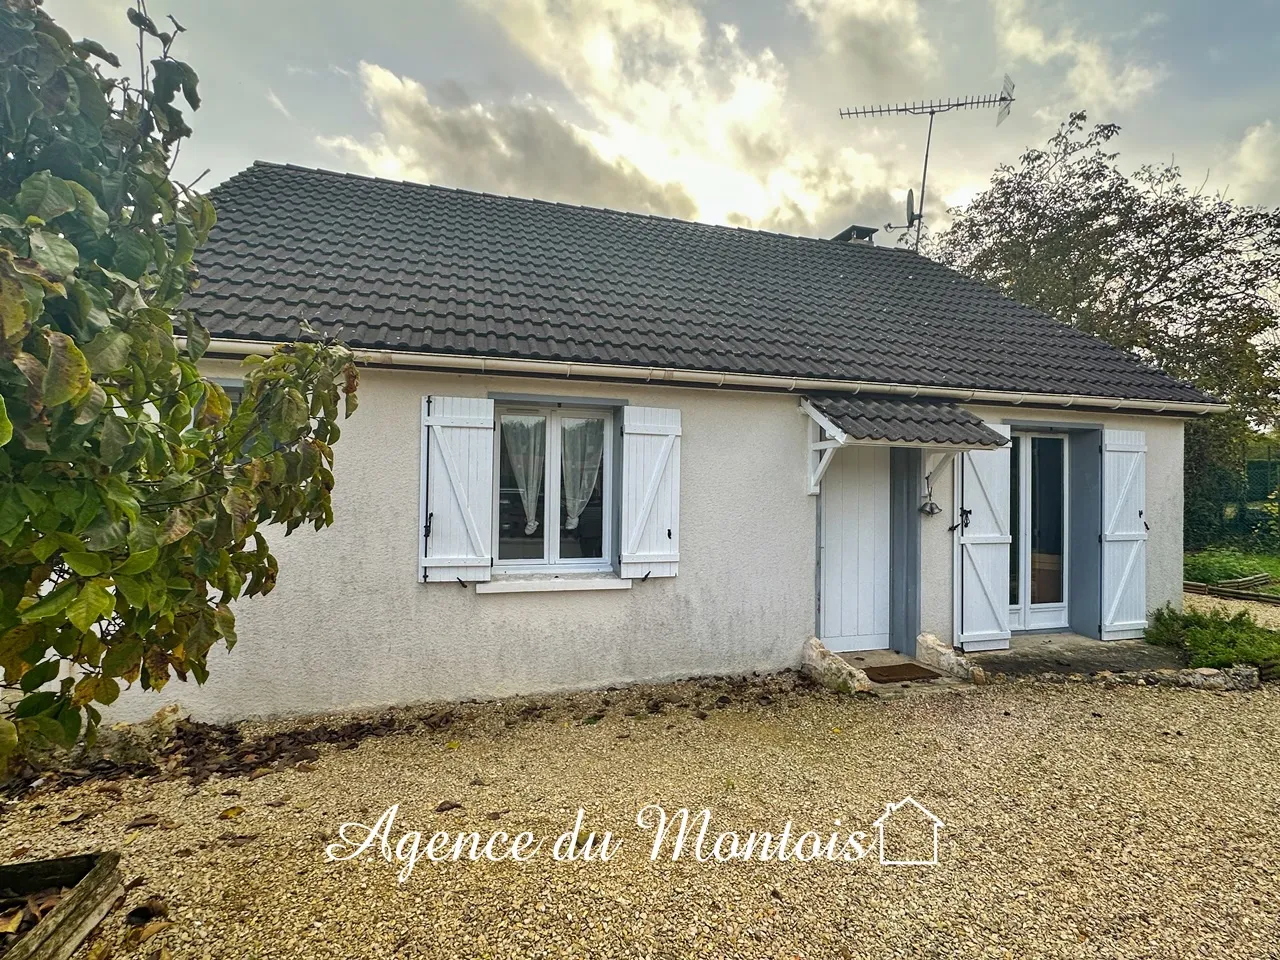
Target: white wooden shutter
(1124, 534)
(456, 532)
(650, 492)
(984, 544)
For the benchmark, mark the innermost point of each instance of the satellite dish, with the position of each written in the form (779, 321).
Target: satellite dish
(911, 207)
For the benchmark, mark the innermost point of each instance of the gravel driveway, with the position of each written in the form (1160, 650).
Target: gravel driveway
(1266, 614)
(1080, 822)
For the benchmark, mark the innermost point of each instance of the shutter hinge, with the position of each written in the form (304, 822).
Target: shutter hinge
(426, 531)
(668, 533)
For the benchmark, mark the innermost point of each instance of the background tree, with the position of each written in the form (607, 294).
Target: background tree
(1187, 281)
(131, 491)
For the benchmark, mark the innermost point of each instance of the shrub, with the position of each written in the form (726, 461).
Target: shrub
(1218, 564)
(1214, 638)
(134, 495)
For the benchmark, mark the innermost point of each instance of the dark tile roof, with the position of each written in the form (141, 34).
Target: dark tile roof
(384, 264)
(904, 420)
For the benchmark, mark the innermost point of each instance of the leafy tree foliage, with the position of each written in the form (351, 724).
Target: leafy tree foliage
(1187, 281)
(131, 489)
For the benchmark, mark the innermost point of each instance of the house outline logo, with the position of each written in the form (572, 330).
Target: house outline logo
(882, 821)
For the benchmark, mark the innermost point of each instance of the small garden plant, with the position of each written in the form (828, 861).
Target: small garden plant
(1214, 638)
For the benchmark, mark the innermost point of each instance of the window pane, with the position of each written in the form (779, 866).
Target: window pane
(1047, 515)
(1015, 521)
(521, 499)
(582, 488)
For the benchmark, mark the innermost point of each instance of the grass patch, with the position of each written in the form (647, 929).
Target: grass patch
(1224, 563)
(1214, 638)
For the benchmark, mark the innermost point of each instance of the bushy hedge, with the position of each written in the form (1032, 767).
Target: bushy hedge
(1218, 564)
(1214, 638)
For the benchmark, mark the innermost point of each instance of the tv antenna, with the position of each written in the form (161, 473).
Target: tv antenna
(1004, 100)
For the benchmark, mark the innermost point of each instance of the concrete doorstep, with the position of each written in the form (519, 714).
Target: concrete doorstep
(1049, 658)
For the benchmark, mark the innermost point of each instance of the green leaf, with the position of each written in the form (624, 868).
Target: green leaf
(133, 254)
(113, 439)
(166, 78)
(88, 409)
(67, 376)
(133, 591)
(291, 413)
(88, 207)
(45, 727)
(52, 603)
(56, 254)
(35, 703)
(240, 504)
(39, 675)
(139, 562)
(120, 658)
(8, 742)
(225, 622)
(106, 690)
(190, 81)
(45, 196)
(88, 48)
(6, 425)
(93, 603)
(197, 339)
(92, 304)
(69, 719)
(108, 351)
(87, 564)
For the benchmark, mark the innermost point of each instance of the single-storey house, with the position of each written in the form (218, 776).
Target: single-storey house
(596, 447)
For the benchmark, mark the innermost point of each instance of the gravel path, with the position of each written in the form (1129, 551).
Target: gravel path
(1080, 822)
(1267, 615)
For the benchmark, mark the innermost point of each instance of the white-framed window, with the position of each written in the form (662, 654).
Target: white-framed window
(540, 486)
(554, 490)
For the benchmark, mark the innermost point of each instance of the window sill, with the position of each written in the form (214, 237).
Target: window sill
(545, 583)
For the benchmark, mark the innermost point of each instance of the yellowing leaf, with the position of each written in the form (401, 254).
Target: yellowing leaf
(230, 813)
(6, 426)
(8, 743)
(67, 376)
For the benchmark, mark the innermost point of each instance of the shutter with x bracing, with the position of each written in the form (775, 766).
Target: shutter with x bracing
(456, 532)
(984, 538)
(650, 519)
(1124, 534)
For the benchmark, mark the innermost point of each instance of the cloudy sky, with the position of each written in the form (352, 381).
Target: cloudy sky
(718, 110)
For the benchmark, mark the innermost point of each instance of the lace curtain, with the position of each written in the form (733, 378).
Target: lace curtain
(580, 457)
(525, 442)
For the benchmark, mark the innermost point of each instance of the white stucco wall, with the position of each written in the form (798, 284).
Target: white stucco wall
(1164, 511)
(349, 625)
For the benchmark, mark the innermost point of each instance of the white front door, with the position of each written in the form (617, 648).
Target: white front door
(854, 598)
(1038, 581)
